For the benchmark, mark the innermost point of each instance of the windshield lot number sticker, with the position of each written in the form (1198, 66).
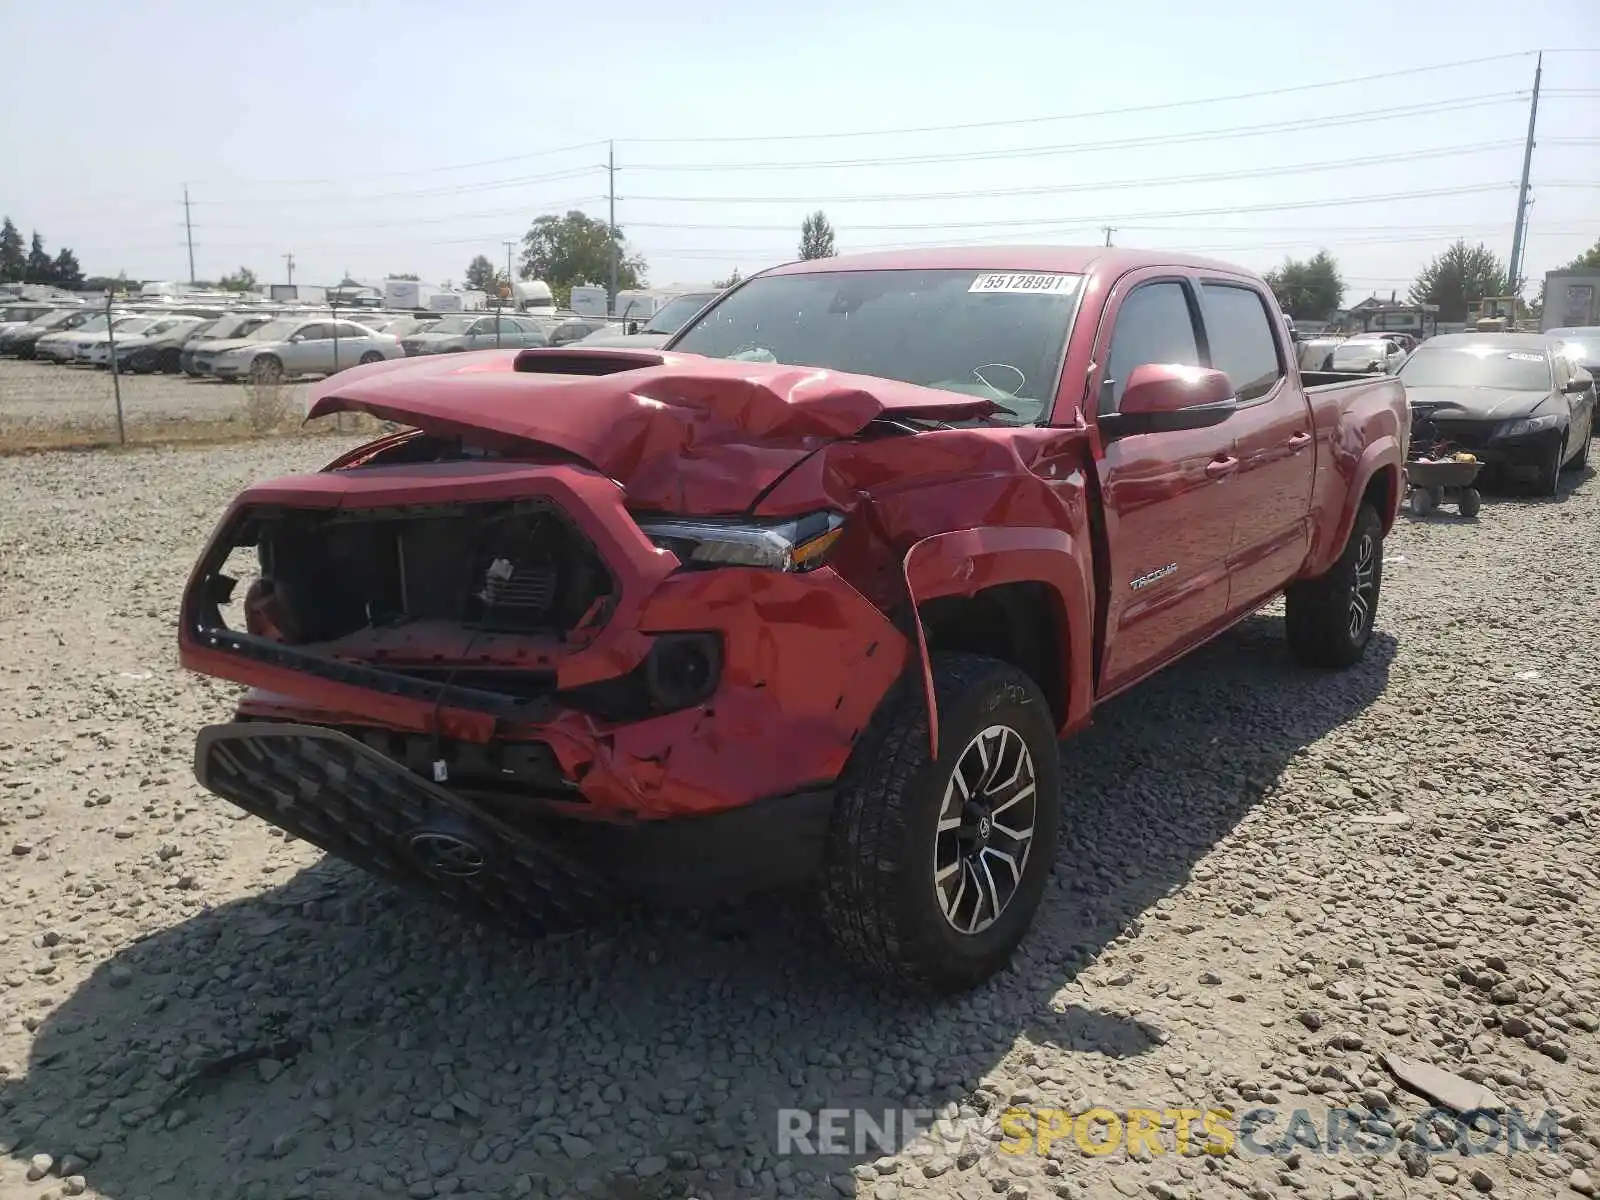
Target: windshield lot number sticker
(1007, 284)
(1515, 357)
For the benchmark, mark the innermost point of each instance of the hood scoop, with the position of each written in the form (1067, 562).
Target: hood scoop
(592, 363)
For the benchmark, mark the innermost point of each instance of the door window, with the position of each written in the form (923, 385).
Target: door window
(315, 333)
(1239, 336)
(1154, 325)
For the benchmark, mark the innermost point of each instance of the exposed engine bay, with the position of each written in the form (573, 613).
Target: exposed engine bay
(514, 567)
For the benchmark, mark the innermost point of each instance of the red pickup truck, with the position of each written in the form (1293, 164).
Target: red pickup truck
(807, 594)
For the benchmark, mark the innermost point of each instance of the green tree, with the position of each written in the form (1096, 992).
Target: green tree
(40, 267)
(733, 278)
(816, 236)
(242, 280)
(1459, 276)
(1312, 289)
(482, 275)
(66, 271)
(576, 248)
(13, 262)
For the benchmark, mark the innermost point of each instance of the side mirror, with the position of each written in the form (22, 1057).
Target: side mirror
(1167, 397)
(297, 339)
(1580, 382)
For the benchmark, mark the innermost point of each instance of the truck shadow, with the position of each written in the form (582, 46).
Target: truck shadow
(334, 1037)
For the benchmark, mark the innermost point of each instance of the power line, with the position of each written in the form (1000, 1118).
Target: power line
(1108, 185)
(907, 197)
(1090, 186)
(1361, 117)
(487, 162)
(1013, 122)
(461, 189)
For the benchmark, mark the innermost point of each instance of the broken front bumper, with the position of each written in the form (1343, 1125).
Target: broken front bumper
(805, 662)
(332, 791)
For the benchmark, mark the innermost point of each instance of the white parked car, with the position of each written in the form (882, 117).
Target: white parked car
(1366, 355)
(138, 350)
(295, 346)
(63, 346)
(130, 328)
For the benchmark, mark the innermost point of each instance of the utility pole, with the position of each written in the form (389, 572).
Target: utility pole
(1514, 270)
(289, 261)
(188, 229)
(1109, 231)
(508, 246)
(611, 175)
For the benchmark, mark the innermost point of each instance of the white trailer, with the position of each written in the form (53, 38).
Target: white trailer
(408, 294)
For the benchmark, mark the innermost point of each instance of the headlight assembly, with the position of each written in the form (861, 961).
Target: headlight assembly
(1526, 425)
(796, 545)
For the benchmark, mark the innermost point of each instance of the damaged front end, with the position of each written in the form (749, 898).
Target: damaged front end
(445, 655)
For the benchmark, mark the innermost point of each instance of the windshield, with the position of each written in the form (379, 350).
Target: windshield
(273, 331)
(458, 324)
(134, 324)
(998, 335)
(675, 312)
(1482, 366)
(229, 327)
(94, 325)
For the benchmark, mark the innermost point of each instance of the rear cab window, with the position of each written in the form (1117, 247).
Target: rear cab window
(1239, 335)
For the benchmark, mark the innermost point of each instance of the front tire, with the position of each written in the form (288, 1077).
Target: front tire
(266, 369)
(1329, 619)
(1548, 481)
(934, 867)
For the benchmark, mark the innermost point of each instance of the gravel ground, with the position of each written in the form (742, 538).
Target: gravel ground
(1271, 876)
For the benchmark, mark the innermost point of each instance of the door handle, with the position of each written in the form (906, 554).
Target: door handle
(1218, 467)
(1298, 440)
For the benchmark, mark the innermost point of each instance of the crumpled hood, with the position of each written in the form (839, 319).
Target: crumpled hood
(679, 432)
(1475, 404)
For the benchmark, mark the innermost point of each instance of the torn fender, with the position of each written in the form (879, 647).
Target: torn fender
(965, 561)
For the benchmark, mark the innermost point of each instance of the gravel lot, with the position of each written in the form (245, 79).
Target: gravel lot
(1271, 877)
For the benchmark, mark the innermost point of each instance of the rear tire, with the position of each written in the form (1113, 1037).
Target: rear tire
(896, 875)
(1329, 619)
(1421, 502)
(371, 356)
(1471, 501)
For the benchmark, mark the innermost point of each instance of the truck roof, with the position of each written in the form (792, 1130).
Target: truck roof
(1074, 259)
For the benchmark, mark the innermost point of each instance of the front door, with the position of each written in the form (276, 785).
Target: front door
(1272, 436)
(1168, 497)
(312, 353)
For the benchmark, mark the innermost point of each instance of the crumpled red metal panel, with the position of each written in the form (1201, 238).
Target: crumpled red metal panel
(687, 434)
(807, 662)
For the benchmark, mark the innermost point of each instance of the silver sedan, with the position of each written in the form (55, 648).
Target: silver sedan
(292, 346)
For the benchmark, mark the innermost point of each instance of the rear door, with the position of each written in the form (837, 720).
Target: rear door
(1272, 439)
(1169, 497)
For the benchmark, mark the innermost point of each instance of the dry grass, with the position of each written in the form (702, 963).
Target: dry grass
(60, 408)
(27, 439)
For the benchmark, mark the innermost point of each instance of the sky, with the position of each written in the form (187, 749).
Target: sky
(411, 135)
